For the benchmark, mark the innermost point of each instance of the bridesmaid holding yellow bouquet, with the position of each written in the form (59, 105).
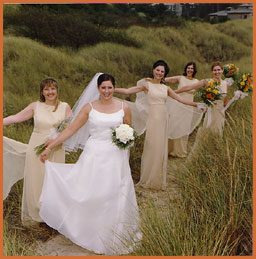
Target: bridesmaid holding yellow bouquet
(215, 117)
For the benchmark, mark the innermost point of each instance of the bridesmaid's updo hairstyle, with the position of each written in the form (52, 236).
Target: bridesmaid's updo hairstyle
(194, 66)
(49, 82)
(217, 63)
(106, 77)
(164, 64)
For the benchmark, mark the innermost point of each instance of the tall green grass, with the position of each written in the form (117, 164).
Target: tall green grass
(212, 215)
(27, 62)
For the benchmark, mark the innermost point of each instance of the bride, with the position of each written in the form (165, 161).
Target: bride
(93, 202)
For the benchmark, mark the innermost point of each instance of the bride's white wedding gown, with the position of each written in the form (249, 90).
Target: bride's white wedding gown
(93, 202)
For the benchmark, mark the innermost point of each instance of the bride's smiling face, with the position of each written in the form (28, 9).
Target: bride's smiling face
(106, 90)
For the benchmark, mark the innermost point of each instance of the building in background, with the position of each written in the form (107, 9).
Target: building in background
(176, 8)
(244, 11)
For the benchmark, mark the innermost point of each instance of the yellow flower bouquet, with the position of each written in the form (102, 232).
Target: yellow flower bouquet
(211, 92)
(230, 70)
(244, 84)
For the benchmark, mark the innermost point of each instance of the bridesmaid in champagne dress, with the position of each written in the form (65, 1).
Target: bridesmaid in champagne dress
(47, 113)
(215, 117)
(178, 147)
(155, 151)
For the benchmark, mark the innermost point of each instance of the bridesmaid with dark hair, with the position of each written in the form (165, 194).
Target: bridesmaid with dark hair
(155, 151)
(177, 147)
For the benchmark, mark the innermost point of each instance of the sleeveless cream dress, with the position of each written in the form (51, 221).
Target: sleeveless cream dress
(214, 121)
(217, 116)
(20, 160)
(178, 147)
(154, 156)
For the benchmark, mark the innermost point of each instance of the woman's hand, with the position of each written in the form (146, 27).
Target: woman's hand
(44, 155)
(202, 107)
(225, 101)
(148, 79)
(48, 142)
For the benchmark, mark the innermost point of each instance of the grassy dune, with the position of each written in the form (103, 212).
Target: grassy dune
(213, 215)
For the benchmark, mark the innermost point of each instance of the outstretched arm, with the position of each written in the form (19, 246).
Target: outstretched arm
(186, 88)
(131, 90)
(80, 120)
(177, 97)
(172, 79)
(21, 116)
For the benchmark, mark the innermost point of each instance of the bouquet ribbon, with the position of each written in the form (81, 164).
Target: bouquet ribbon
(238, 95)
(203, 108)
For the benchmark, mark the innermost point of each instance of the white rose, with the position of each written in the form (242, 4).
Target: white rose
(124, 133)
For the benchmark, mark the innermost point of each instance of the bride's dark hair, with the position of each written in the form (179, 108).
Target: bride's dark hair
(105, 77)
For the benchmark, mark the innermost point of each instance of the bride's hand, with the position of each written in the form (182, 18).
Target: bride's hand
(44, 155)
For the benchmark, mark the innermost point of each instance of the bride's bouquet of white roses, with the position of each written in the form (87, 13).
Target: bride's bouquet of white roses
(124, 136)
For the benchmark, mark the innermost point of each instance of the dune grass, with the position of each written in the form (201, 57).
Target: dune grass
(213, 214)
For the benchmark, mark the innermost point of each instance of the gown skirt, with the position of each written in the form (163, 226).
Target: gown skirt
(155, 155)
(21, 161)
(93, 202)
(184, 118)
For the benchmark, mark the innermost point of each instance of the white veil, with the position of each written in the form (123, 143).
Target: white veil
(79, 139)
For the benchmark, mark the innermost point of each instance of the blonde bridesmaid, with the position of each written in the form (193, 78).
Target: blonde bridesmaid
(47, 112)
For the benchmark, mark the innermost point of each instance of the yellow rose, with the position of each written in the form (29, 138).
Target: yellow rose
(244, 77)
(242, 83)
(212, 84)
(215, 91)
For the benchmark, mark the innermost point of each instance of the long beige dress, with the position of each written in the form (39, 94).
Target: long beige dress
(154, 157)
(214, 121)
(44, 120)
(215, 117)
(178, 147)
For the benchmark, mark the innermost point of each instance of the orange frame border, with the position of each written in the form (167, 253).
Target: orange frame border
(123, 1)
